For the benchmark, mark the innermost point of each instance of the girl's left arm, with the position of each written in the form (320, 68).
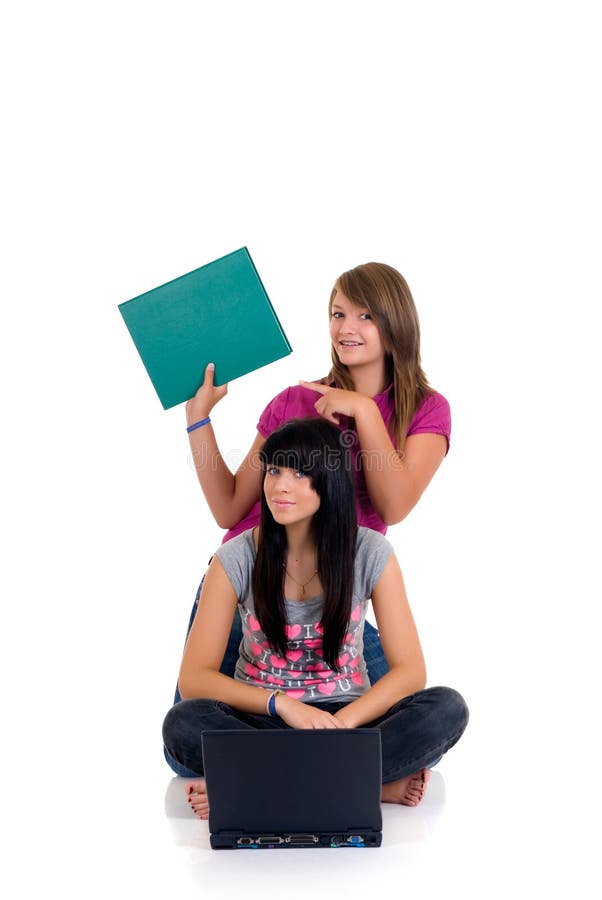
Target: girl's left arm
(399, 637)
(395, 481)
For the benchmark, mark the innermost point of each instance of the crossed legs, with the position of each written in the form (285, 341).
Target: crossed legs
(415, 733)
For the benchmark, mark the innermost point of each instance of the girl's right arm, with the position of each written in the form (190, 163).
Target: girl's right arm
(206, 645)
(229, 496)
(204, 651)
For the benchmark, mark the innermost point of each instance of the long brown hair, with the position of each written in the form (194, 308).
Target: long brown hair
(385, 293)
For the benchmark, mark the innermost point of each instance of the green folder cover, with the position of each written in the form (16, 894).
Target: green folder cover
(219, 313)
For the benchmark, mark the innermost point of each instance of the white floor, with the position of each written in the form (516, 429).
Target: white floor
(473, 836)
(507, 814)
(476, 835)
(463, 841)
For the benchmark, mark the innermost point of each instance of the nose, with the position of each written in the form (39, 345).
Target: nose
(282, 481)
(347, 326)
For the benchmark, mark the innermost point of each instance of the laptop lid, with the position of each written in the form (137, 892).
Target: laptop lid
(293, 787)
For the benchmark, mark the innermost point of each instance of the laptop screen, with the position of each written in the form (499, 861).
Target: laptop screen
(290, 784)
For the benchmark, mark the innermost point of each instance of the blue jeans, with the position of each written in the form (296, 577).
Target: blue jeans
(415, 733)
(373, 655)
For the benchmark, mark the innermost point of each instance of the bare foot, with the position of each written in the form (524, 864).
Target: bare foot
(408, 791)
(196, 794)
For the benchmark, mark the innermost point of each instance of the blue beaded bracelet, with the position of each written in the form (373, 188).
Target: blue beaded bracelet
(198, 425)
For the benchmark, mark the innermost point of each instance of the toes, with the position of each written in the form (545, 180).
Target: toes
(198, 801)
(416, 787)
(196, 787)
(201, 812)
(408, 791)
(201, 815)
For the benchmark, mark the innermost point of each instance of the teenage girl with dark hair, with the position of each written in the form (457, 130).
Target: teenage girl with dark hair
(396, 426)
(302, 582)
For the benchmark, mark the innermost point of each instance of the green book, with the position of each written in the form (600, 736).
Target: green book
(219, 313)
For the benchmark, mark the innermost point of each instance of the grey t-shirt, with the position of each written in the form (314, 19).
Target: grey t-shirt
(303, 673)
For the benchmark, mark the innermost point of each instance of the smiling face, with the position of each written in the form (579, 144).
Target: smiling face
(290, 495)
(355, 338)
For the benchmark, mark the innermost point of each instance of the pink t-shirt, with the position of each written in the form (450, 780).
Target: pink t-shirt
(297, 402)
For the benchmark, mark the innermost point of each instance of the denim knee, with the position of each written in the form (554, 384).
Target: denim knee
(177, 767)
(182, 729)
(172, 725)
(179, 718)
(453, 710)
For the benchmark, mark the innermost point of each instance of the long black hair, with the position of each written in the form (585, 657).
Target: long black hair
(312, 446)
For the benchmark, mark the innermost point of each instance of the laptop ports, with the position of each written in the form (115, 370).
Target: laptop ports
(245, 841)
(270, 839)
(356, 839)
(296, 839)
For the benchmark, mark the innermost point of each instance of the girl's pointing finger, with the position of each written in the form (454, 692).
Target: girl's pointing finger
(316, 386)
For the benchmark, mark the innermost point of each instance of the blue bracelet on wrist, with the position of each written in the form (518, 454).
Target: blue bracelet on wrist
(198, 424)
(272, 703)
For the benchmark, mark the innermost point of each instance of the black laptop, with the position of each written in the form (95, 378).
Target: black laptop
(293, 788)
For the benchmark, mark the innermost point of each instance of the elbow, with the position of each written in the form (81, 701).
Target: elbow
(184, 689)
(225, 522)
(231, 514)
(411, 678)
(395, 509)
(414, 686)
(196, 681)
(394, 514)
(421, 678)
(420, 671)
(418, 679)
(190, 686)
(393, 518)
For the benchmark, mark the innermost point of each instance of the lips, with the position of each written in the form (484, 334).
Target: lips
(350, 344)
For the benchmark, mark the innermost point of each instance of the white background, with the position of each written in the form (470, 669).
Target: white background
(457, 141)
